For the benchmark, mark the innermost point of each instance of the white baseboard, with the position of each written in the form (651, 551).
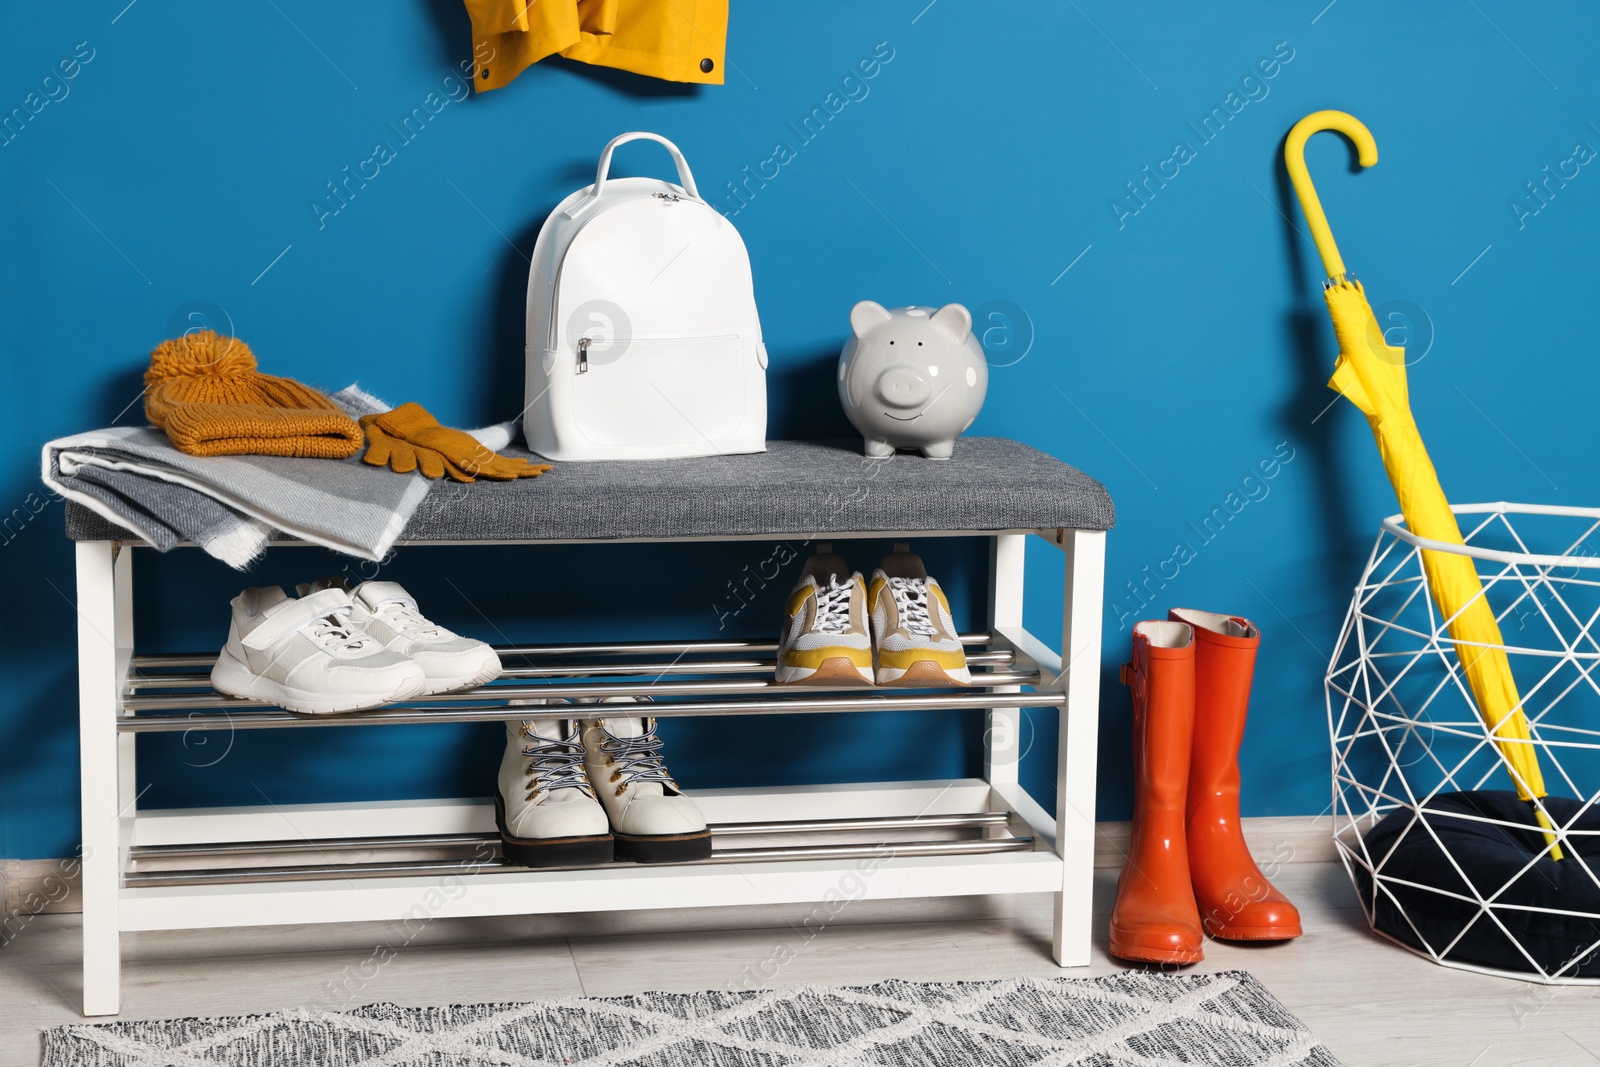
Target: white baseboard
(1273, 841)
(43, 887)
(35, 887)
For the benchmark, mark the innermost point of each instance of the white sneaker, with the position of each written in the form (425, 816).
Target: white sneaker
(307, 657)
(652, 820)
(913, 635)
(544, 805)
(389, 613)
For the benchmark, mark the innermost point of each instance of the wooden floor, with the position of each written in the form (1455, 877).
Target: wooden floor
(1369, 1002)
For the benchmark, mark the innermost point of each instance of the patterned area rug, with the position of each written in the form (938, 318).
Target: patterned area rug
(1132, 1018)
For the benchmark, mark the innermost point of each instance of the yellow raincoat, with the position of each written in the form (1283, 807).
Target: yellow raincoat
(676, 40)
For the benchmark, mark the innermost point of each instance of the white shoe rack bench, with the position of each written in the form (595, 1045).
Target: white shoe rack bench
(153, 870)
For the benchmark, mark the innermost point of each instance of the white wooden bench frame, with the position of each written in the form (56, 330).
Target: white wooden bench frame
(1060, 860)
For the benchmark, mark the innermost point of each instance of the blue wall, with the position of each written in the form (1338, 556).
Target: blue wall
(1167, 350)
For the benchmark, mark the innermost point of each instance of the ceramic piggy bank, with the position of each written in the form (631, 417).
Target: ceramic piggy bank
(911, 377)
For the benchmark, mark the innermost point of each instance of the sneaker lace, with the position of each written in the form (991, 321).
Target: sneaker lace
(638, 759)
(833, 606)
(556, 763)
(911, 605)
(404, 616)
(335, 634)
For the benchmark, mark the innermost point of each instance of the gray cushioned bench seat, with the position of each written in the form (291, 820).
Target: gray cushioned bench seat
(796, 487)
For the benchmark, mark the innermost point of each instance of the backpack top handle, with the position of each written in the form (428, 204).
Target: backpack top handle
(685, 178)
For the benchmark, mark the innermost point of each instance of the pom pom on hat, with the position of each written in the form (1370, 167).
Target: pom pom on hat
(199, 353)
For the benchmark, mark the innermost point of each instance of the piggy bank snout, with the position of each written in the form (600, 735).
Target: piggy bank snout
(902, 387)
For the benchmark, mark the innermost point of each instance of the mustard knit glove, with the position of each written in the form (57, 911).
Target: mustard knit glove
(409, 438)
(403, 457)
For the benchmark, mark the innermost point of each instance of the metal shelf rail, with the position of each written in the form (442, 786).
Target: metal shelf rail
(192, 868)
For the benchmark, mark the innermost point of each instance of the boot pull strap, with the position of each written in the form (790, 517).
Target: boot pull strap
(1127, 673)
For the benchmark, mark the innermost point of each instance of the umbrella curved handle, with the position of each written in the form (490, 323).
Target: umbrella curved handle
(1294, 158)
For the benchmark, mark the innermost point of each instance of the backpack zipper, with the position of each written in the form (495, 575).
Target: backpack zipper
(583, 344)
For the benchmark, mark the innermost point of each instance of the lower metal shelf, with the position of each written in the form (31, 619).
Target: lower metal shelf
(846, 850)
(317, 872)
(976, 820)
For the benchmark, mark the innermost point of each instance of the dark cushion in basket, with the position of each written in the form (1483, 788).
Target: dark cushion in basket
(1490, 856)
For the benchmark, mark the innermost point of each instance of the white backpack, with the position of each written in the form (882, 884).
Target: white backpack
(643, 339)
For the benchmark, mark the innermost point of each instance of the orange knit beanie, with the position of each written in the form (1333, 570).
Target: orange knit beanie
(204, 390)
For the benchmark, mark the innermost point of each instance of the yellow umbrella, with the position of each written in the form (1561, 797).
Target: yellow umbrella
(1371, 374)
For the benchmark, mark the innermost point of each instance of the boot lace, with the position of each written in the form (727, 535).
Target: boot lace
(911, 605)
(636, 759)
(555, 763)
(833, 606)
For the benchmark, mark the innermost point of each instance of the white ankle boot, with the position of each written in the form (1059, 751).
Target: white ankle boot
(545, 807)
(653, 821)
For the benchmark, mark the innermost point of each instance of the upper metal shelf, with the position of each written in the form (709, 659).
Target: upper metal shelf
(163, 697)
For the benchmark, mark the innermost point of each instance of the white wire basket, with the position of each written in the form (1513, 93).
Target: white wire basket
(1407, 737)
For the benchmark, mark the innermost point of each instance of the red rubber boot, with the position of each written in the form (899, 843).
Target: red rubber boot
(1155, 919)
(1237, 903)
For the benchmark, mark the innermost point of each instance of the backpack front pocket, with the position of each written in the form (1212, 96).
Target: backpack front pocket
(661, 389)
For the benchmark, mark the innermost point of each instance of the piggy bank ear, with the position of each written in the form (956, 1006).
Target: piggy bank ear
(867, 315)
(954, 320)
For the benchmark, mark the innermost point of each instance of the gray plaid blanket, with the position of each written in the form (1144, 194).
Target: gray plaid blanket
(231, 505)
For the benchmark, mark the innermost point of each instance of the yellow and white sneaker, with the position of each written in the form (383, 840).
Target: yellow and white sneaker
(914, 639)
(826, 641)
